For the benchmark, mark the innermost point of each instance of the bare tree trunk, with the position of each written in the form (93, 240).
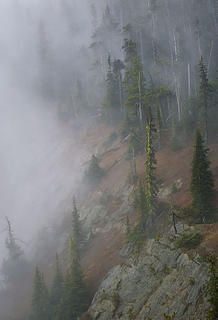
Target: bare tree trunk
(177, 89)
(121, 91)
(141, 45)
(189, 80)
(199, 43)
(175, 46)
(140, 96)
(210, 55)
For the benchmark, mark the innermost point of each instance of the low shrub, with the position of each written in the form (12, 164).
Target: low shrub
(191, 281)
(189, 240)
(189, 213)
(94, 172)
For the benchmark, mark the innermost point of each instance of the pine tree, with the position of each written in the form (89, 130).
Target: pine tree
(135, 88)
(142, 206)
(40, 298)
(76, 297)
(118, 66)
(15, 267)
(150, 168)
(77, 232)
(56, 295)
(205, 95)
(112, 99)
(213, 288)
(94, 172)
(202, 182)
(11, 244)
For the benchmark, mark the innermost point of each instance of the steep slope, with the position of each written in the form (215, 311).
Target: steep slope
(161, 279)
(104, 211)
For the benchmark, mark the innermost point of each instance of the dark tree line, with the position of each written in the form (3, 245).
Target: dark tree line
(68, 297)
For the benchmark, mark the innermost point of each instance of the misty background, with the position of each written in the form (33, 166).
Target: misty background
(53, 71)
(39, 165)
(53, 63)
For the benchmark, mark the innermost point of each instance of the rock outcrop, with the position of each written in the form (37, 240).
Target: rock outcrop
(160, 279)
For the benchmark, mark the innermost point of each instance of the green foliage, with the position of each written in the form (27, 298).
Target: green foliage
(206, 91)
(141, 205)
(202, 182)
(113, 100)
(14, 268)
(76, 296)
(56, 294)
(137, 237)
(158, 236)
(167, 317)
(189, 240)
(129, 47)
(131, 315)
(77, 232)
(191, 281)
(213, 289)
(189, 213)
(189, 117)
(135, 89)
(94, 172)
(135, 143)
(166, 270)
(157, 97)
(40, 299)
(150, 168)
(115, 298)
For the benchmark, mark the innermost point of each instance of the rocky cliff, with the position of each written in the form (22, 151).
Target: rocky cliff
(159, 279)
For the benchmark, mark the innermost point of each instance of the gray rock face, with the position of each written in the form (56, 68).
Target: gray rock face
(161, 279)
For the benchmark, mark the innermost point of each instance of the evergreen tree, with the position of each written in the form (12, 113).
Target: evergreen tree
(205, 95)
(135, 142)
(135, 88)
(15, 267)
(142, 206)
(94, 172)
(76, 227)
(112, 99)
(202, 182)
(213, 288)
(40, 298)
(76, 297)
(11, 244)
(118, 66)
(150, 168)
(56, 295)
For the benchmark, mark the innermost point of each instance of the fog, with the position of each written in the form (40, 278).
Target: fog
(53, 58)
(54, 66)
(40, 159)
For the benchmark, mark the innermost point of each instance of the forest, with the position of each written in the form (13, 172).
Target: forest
(146, 73)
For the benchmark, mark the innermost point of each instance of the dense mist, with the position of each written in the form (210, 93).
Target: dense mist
(39, 160)
(56, 57)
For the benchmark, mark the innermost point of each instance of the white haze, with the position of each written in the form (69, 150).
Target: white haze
(39, 160)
